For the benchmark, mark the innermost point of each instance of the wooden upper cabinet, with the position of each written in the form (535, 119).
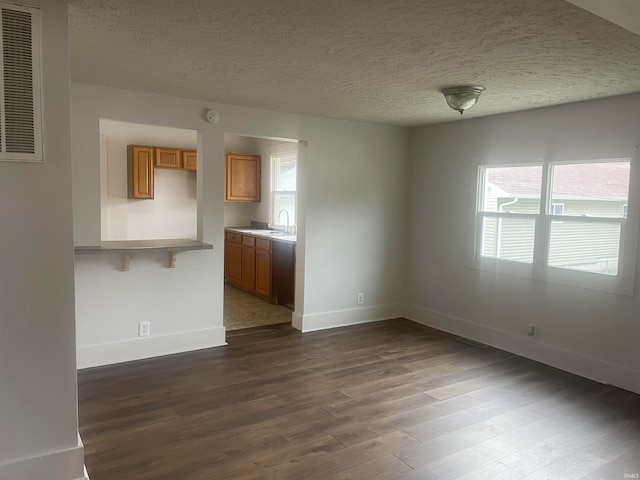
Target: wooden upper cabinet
(168, 158)
(242, 178)
(140, 171)
(189, 159)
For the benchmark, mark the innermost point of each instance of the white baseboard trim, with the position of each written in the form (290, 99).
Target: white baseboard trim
(147, 347)
(84, 467)
(343, 318)
(65, 464)
(577, 363)
(296, 321)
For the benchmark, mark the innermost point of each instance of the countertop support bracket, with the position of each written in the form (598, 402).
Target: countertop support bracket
(126, 259)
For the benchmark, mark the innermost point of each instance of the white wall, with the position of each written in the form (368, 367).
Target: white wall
(38, 413)
(590, 333)
(352, 201)
(172, 213)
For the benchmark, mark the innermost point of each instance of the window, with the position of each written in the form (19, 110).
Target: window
(557, 209)
(283, 185)
(517, 230)
(508, 220)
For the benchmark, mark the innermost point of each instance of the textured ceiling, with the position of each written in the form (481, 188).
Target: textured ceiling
(375, 60)
(625, 13)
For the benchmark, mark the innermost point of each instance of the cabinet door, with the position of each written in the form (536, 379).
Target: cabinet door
(283, 273)
(189, 159)
(168, 158)
(233, 260)
(248, 268)
(242, 178)
(263, 273)
(140, 171)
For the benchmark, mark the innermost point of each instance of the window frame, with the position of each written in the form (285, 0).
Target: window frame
(623, 283)
(281, 150)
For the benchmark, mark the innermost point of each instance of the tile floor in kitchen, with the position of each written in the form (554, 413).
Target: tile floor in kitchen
(242, 310)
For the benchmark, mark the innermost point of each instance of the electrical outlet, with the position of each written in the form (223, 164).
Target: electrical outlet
(360, 298)
(143, 329)
(532, 330)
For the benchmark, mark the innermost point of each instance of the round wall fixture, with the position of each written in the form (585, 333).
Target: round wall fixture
(212, 116)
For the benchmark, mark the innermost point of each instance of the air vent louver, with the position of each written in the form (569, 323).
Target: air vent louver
(20, 123)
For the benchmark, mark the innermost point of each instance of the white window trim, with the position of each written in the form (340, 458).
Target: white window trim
(623, 283)
(275, 150)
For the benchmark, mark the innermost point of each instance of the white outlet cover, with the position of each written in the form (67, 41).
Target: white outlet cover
(143, 329)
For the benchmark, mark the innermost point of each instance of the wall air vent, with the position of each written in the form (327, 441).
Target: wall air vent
(20, 85)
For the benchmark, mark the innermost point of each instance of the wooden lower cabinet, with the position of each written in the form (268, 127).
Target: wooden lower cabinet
(233, 259)
(259, 266)
(283, 266)
(248, 263)
(263, 273)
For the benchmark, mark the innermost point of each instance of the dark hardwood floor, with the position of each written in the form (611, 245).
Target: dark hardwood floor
(388, 400)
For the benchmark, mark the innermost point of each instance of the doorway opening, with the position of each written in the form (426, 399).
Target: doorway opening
(261, 234)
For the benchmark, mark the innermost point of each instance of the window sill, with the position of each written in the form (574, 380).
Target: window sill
(586, 280)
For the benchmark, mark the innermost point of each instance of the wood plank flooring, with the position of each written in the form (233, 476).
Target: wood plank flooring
(388, 400)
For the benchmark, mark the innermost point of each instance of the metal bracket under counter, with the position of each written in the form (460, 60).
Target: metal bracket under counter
(126, 248)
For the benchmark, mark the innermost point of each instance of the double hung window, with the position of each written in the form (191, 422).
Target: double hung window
(562, 222)
(283, 186)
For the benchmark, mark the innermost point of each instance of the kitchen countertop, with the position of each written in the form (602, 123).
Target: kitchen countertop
(134, 246)
(271, 234)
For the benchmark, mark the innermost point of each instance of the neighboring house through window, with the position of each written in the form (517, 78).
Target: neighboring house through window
(516, 231)
(557, 209)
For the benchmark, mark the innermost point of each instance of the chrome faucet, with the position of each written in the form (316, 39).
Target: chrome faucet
(288, 229)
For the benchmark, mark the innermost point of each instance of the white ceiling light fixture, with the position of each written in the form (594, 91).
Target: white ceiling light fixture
(462, 97)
